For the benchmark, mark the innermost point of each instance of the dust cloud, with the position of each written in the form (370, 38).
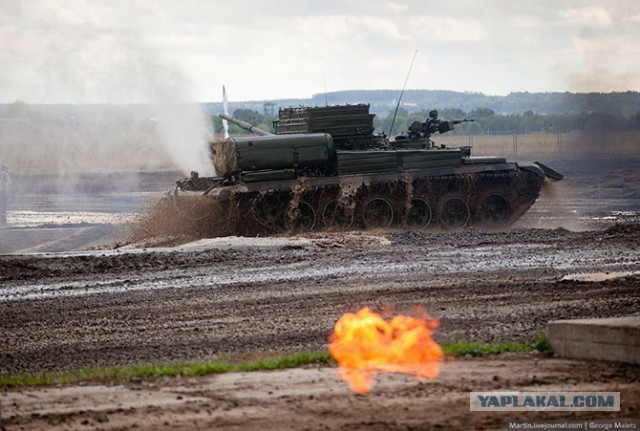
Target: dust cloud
(604, 54)
(604, 68)
(93, 98)
(92, 119)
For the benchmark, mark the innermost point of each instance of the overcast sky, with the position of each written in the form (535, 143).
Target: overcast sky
(79, 51)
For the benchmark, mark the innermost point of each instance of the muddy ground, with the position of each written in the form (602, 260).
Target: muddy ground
(576, 254)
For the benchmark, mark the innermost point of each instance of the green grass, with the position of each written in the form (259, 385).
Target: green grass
(123, 374)
(464, 348)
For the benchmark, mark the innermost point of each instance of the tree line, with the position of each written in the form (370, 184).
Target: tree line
(626, 103)
(485, 121)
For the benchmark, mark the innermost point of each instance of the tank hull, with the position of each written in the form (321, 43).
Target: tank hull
(491, 195)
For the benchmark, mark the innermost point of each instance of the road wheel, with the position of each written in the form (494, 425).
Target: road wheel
(454, 213)
(377, 213)
(419, 215)
(302, 218)
(494, 211)
(270, 210)
(337, 214)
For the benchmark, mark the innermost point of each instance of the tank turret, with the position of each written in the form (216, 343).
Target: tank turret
(420, 132)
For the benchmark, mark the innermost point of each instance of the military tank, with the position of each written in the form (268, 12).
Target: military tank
(325, 168)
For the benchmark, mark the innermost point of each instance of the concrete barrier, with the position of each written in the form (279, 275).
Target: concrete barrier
(611, 339)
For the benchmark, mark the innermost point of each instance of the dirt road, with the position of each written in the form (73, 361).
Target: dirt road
(59, 312)
(316, 399)
(236, 297)
(222, 298)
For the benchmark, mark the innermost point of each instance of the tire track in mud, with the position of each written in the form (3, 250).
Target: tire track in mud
(428, 260)
(159, 306)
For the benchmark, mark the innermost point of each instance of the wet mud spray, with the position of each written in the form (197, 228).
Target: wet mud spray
(173, 220)
(178, 218)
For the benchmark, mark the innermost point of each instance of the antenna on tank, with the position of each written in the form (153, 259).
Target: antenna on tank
(402, 92)
(324, 75)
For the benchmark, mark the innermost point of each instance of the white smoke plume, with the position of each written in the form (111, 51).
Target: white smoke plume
(66, 52)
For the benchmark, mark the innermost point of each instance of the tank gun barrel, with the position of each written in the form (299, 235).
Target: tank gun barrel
(246, 126)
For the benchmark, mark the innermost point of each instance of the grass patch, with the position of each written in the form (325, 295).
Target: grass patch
(465, 348)
(128, 373)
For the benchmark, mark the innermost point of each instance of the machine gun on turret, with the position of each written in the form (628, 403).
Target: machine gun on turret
(446, 126)
(419, 133)
(433, 124)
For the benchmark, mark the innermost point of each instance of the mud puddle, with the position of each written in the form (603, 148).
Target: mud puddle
(596, 277)
(31, 219)
(310, 263)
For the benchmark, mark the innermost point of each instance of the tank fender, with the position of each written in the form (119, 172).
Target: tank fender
(550, 173)
(541, 170)
(531, 167)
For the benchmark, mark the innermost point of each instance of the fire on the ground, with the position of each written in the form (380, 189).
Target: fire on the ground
(365, 343)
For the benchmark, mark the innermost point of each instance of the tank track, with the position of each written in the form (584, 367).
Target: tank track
(487, 200)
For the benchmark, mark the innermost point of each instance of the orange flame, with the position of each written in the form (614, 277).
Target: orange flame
(364, 343)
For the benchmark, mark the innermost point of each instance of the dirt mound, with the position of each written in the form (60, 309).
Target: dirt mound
(624, 230)
(623, 233)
